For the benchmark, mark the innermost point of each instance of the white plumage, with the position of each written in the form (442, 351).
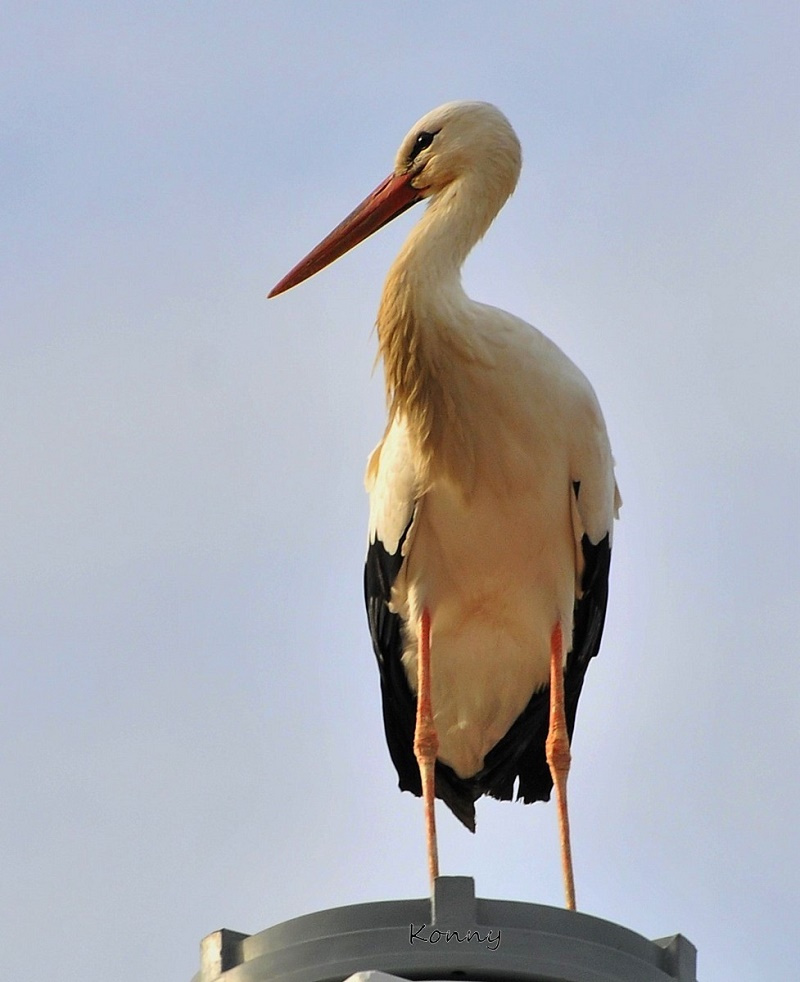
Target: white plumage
(495, 548)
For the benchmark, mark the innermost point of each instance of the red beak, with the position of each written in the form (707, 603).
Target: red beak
(390, 199)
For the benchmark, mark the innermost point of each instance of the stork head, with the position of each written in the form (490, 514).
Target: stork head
(469, 142)
(460, 141)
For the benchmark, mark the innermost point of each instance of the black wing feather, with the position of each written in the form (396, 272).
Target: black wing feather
(521, 752)
(399, 702)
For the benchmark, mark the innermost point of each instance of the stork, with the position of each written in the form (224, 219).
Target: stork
(492, 496)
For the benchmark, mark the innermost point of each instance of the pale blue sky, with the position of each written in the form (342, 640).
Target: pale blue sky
(190, 709)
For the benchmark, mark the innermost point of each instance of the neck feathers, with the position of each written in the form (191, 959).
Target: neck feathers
(425, 340)
(416, 355)
(427, 331)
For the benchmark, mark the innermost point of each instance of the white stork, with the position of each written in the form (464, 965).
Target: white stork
(492, 496)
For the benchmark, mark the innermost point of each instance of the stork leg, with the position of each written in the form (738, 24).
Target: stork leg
(559, 757)
(426, 742)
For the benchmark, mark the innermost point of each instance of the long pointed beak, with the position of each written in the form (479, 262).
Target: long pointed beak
(389, 199)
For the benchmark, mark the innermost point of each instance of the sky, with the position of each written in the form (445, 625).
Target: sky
(189, 710)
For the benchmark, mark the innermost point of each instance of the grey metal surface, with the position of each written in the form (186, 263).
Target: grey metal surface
(453, 936)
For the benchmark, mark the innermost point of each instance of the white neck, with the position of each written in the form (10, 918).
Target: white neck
(425, 318)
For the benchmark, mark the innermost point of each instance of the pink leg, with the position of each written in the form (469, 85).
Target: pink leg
(426, 742)
(558, 757)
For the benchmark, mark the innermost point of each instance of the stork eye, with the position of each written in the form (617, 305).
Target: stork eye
(422, 142)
